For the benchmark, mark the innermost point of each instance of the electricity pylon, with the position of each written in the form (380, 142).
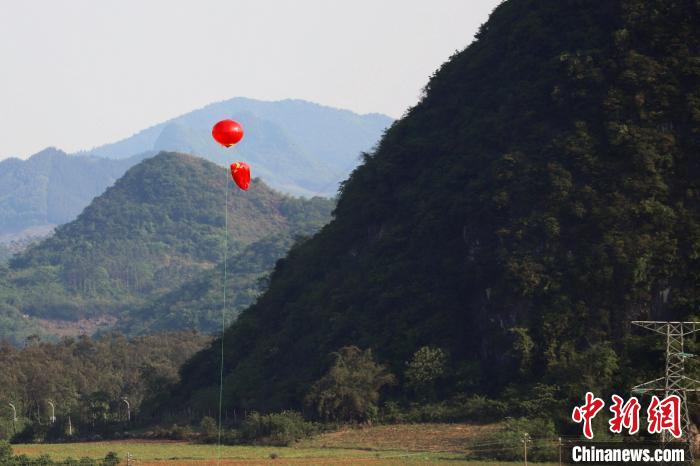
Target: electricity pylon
(675, 381)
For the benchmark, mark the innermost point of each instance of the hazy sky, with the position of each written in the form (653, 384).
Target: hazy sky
(80, 73)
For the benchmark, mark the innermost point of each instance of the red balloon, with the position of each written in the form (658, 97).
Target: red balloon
(227, 132)
(240, 172)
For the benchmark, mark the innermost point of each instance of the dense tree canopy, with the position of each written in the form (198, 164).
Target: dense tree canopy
(542, 194)
(161, 226)
(349, 391)
(87, 378)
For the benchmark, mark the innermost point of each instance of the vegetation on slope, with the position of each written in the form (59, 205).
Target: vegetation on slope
(51, 187)
(159, 226)
(198, 303)
(542, 194)
(14, 326)
(86, 380)
(15, 246)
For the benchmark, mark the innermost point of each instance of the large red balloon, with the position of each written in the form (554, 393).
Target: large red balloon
(240, 172)
(227, 132)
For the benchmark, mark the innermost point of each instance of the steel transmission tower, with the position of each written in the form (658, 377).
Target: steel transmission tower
(675, 381)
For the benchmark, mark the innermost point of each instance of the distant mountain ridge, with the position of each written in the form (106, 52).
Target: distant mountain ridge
(52, 187)
(158, 227)
(295, 146)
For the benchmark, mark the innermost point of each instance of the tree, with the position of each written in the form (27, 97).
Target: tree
(522, 348)
(349, 391)
(5, 452)
(209, 428)
(427, 366)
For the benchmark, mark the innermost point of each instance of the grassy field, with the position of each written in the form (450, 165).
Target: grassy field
(382, 445)
(180, 453)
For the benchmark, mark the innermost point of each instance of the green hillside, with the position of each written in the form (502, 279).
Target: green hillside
(198, 303)
(51, 187)
(160, 226)
(542, 194)
(5, 253)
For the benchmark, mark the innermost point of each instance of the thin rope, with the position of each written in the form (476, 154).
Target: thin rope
(223, 310)
(223, 313)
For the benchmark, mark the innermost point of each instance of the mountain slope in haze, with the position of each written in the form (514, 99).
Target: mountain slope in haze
(14, 243)
(295, 146)
(159, 226)
(14, 326)
(51, 187)
(542, 194)
(198, 303)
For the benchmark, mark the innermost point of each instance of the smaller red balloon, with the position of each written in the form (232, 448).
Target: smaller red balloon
(240, 172)
(227, 132)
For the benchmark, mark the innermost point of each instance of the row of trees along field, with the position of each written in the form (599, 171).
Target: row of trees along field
(86, 381)
(88, 388)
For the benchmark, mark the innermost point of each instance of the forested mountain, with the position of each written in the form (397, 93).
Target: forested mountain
(295, 146)
(198, 303)
(543, 193)
(160, 226)
(51, 187)
(15, 327)
(5, 253)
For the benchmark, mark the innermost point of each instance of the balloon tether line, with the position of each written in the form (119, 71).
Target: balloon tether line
(223, 314)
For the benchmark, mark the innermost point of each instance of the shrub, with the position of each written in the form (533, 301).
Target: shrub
(475, 408)
(209, 428)
(111, 459)
(179, 432)
(7, 459)
(480, 408)
(540, 398)
(5, 452)
(507, 444)
(279, 429)
(174, 432)
(230, 437)
(427, 366)
(31, 432)
(6, 429)
(350, 389)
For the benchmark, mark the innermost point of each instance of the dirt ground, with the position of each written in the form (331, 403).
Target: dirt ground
(451, 438)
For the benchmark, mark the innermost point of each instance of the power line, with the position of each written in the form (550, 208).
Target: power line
(674, 381)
